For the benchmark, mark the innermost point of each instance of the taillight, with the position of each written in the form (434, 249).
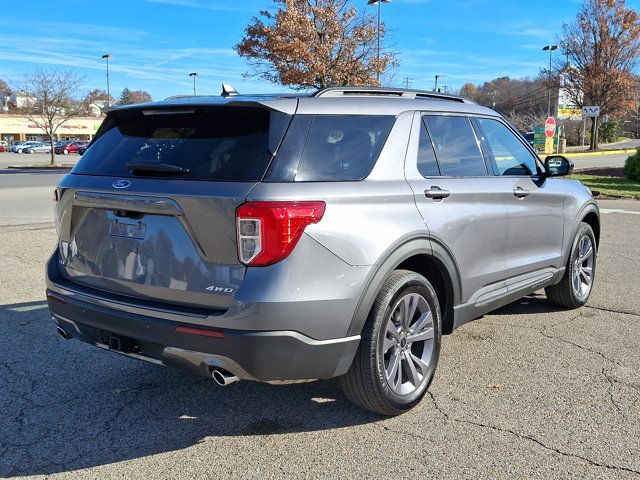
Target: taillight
(56, 199)
(268, 231)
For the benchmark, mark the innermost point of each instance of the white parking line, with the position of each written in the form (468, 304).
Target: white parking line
(617, 210)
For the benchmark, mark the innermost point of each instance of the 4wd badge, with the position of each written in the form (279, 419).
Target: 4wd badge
(216, 289)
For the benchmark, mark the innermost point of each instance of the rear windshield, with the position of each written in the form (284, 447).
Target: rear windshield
(232, 144)
(325, 148)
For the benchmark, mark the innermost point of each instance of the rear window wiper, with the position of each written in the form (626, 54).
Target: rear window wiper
(157, 169)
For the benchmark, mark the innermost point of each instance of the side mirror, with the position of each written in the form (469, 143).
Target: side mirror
(557, 166)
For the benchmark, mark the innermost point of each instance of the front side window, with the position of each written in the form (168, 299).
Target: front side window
(456, 146)
(510, 155)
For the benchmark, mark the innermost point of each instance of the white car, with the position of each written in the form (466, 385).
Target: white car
(21, 147)
(40, 148)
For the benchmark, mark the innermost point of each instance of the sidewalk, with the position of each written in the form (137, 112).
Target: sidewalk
(624, 145)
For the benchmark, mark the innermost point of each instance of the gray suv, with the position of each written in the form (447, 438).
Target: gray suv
(337, 234)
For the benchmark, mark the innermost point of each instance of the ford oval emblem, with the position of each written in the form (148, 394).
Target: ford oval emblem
(121, 184)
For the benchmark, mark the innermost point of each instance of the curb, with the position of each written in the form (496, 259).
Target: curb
(41, 167)
(599, 153)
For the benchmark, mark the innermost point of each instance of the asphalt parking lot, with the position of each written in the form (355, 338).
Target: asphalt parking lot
(528, 391)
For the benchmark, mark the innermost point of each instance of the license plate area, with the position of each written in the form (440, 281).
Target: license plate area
(121, 228)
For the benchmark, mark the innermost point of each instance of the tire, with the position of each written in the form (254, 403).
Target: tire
(366, 382)
(575, 287)
(19, 150)
(29, 151)
(65, 152)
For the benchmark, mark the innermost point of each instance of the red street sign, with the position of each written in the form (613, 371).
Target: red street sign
(550, 127)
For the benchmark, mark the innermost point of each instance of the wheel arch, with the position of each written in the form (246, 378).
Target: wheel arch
(589, 214)
(593, 220)
(421, 255)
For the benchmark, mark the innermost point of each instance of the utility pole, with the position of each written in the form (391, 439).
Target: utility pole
(106, 57)
(435, 88)
(378, 3)
(407, 82)
(493, 98)
(549, 48)
(194, 75)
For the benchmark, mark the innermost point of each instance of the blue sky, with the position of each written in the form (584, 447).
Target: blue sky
(156, 43)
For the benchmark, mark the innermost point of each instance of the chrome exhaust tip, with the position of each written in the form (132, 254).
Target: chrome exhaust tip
(63, 333)
(223, 378)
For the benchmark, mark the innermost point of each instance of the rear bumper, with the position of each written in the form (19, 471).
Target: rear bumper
(252, 355)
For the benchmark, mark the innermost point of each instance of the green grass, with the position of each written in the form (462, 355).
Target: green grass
(610, 186)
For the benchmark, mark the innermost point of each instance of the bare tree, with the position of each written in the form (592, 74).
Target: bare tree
(603, 44)
(526, 120)
(52, 99)
(4, 88)
(315, 44)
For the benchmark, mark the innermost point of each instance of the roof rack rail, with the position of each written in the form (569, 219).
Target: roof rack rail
(178, 97)
(388, 92)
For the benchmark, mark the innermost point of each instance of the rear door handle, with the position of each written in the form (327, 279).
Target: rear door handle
(520, 192)
(436, 193)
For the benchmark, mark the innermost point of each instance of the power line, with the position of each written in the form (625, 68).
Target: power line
(526, 95)
(500, 69)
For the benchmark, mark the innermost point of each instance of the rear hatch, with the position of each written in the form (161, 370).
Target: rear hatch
(149, 210)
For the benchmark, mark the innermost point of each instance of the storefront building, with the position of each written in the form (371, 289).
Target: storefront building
(16, 128)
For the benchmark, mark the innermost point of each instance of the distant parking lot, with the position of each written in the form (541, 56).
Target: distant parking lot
(25, 159)
(528, 391)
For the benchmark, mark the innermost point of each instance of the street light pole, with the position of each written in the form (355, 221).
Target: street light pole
(550, 48)
(106, 57)
(379, 3)
(194, 75)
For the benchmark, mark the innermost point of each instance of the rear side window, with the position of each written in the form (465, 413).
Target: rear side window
(509, 153)
(427, 164)
(322, 148)
(232, 144)
(456, 146)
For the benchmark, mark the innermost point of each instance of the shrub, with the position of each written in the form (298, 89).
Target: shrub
(632, 167)
(609, 131)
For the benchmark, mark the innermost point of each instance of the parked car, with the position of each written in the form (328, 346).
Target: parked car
(529, 136)
(2, 148)
(82, 148)
(339, 234)
(22, 147)
(40, 148)
(67, 148)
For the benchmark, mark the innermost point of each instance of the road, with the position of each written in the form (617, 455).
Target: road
(602, 161)
(26, 196)
(528, 391)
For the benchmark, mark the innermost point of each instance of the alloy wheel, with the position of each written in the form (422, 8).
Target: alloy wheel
(408, 344)
(583, 267)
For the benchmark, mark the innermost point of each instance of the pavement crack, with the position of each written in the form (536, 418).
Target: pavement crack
(611, 310)
(613, 401)
(435, 404)
(544, 333)
(532, 439)
(9, 368)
